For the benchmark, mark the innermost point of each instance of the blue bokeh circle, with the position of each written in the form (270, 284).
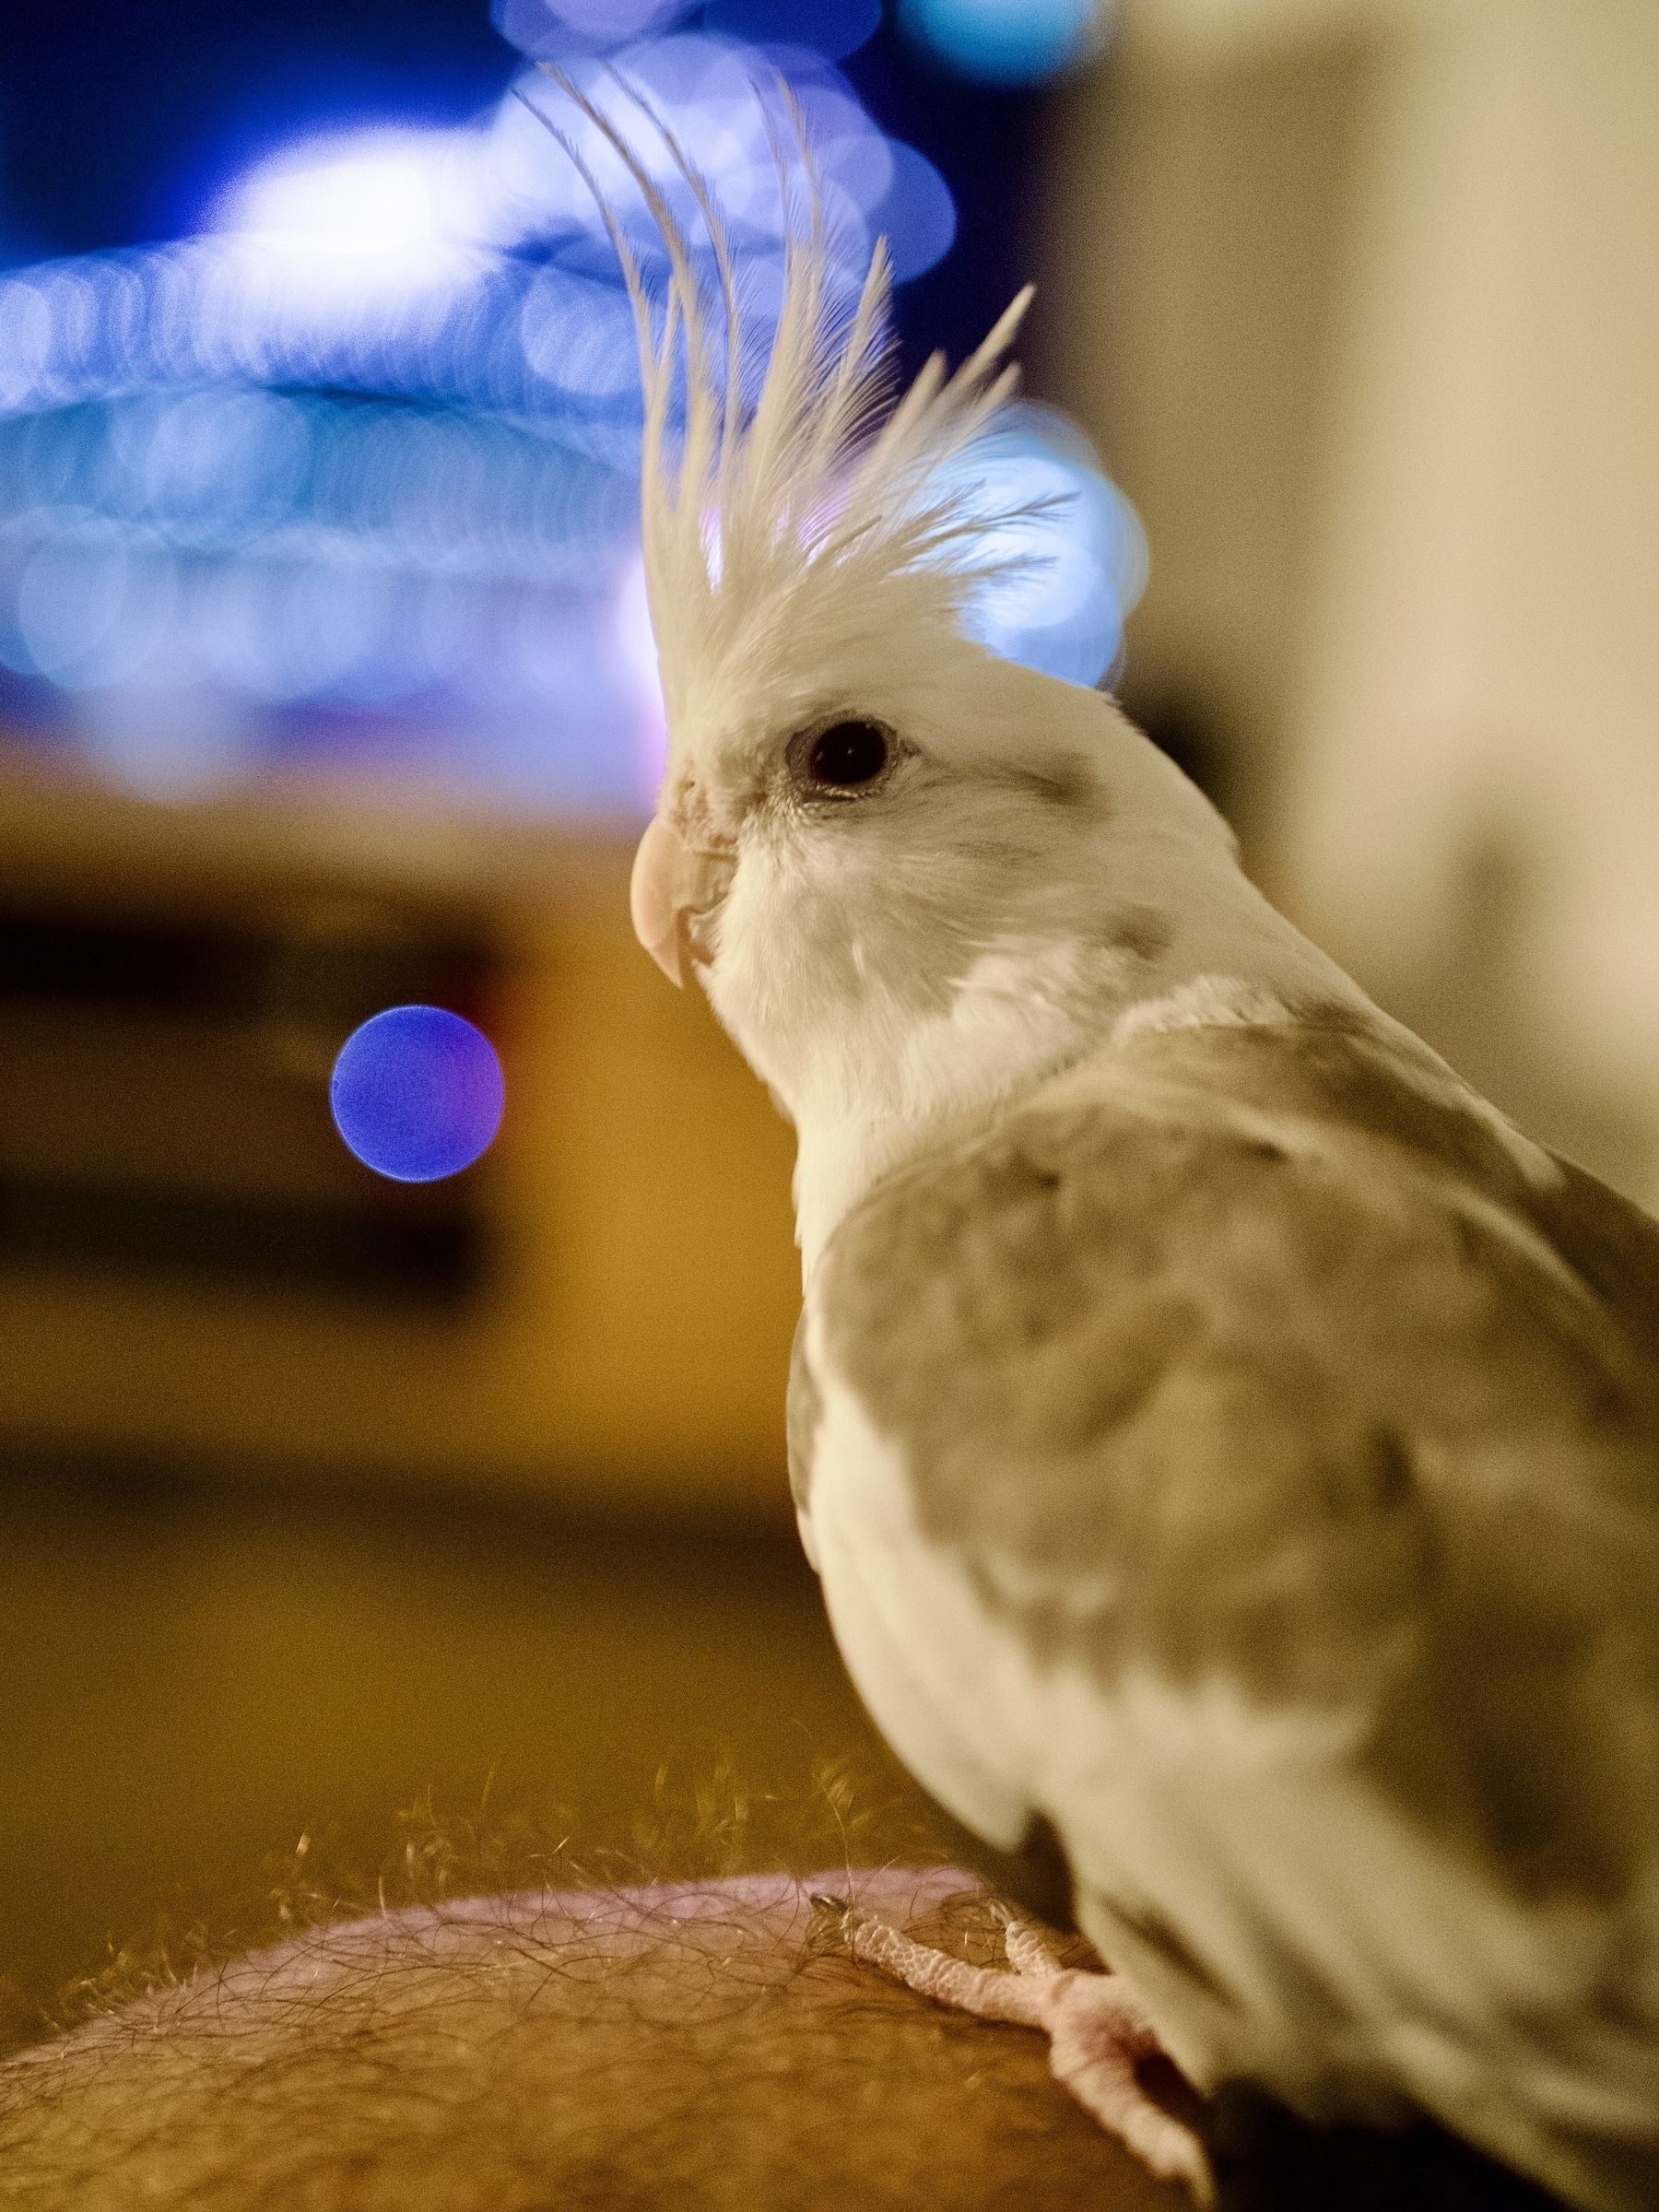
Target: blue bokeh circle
(1008, 42)
(832, 27)
(416, 1093)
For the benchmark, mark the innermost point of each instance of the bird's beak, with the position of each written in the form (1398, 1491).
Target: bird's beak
(657, 892)
(672, 884)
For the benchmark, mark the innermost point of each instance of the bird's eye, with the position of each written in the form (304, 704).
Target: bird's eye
(847, 754)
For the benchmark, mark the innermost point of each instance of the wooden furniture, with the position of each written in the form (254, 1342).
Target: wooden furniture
(191, 1265)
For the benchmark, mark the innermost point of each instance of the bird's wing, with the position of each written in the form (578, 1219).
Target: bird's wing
(1247, 1456)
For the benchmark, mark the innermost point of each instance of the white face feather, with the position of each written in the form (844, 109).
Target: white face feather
(1023, 870)
(891, 949)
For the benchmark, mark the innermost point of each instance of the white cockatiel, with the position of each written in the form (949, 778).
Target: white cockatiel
(1219, 1433)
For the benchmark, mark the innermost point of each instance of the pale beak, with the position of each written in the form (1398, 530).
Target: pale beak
(675, 887)
(660, 887)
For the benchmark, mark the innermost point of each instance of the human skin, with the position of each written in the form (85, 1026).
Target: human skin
(697, 2045)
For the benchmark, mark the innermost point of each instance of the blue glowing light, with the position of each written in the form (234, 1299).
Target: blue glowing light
(416, 1093)
(397, 259)
(1008, 42)
(368, 584)
(607, 22)
(1076, 550)
(916, 215)
(832, 27)
(348, 481)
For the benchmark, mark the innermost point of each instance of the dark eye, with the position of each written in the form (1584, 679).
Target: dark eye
(846, 754)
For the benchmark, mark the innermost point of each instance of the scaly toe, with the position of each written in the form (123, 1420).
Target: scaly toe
(1097, 2030)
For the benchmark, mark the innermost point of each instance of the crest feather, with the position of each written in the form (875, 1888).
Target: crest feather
(811, 503)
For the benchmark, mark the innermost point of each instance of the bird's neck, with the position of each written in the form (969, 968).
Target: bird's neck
(1021, 1016)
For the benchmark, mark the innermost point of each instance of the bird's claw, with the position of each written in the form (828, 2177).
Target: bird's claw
(1097, 2027)
(1097, 2030)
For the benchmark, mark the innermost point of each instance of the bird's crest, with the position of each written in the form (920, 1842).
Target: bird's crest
(817, 507)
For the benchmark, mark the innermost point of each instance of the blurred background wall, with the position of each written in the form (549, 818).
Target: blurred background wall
(1360, 300)
(324, 687)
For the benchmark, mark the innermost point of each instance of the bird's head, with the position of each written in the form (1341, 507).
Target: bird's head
(886, 855)
(891, 858)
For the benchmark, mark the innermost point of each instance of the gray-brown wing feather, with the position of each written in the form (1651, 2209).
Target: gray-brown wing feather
(1299, 1368)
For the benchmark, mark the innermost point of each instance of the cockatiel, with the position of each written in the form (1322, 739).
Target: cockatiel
(1222, 1436)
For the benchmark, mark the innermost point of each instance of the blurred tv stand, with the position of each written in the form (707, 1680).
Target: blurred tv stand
(193, 1268)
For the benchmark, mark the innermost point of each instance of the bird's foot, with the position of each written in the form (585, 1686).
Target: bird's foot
(1097, 2027)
